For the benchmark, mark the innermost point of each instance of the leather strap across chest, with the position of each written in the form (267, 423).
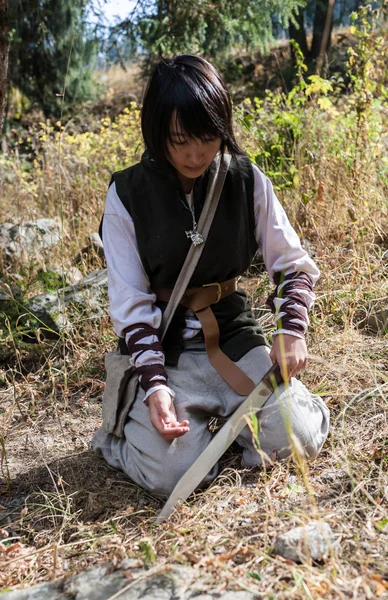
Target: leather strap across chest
(199, 300)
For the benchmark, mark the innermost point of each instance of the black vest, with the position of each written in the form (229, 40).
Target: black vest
(153, 196)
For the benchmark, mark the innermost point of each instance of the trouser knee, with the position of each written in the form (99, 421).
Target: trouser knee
(295, 420)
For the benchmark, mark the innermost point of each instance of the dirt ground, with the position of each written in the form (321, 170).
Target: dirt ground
(63, 509)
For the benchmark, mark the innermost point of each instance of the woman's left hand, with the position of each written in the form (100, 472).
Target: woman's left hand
(290, 352)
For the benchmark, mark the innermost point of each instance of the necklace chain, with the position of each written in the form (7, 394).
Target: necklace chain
(193, 234)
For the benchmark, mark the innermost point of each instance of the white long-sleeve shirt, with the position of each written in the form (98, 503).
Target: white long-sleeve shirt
(130, 296)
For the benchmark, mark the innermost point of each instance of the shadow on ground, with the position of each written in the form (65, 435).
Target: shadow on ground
(77, 488)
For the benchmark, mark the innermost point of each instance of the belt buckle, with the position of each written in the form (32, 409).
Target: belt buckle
(219, 290)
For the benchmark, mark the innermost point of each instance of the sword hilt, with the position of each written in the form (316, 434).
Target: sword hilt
(273, 376)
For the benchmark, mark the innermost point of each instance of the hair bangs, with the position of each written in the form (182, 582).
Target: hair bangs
(197, 114)
(186, 99)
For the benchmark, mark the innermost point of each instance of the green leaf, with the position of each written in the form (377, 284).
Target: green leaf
(255, 575)
(381, 525)
(148, 551)
(324, 103)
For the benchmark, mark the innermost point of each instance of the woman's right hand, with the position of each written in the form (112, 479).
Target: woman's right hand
(163, 416)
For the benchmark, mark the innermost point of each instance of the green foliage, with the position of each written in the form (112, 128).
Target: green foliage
(364, 69)
(212, 28)
(291, 130)
(305, 140)
(51, 281)
(50, 38)
(149, 555)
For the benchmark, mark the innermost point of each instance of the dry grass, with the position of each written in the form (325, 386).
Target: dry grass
(63, 509)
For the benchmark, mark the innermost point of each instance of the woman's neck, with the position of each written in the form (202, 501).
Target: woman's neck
(187, 183)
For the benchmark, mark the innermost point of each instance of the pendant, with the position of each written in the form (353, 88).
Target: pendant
(195, 237)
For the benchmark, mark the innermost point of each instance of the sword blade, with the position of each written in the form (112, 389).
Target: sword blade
(221, 442)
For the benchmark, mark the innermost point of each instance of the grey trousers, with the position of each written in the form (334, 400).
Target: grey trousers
(157, 464)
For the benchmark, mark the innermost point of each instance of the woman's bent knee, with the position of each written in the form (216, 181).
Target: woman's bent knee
(294, 420)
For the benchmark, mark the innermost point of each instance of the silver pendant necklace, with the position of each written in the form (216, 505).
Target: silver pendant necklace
(193, 234)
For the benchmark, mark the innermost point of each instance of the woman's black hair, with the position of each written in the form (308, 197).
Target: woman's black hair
(192, 87)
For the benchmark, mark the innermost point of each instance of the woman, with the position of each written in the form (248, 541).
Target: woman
(150, 220)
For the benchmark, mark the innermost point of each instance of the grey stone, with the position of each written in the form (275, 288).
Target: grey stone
(53, 310)
(45, 591)
(98, 583)
(72, 276)
(28, 238)
(311, 542)
(376, 322)
(102, 582)
(223, 596)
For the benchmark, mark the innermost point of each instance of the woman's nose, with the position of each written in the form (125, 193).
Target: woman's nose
(195, 154)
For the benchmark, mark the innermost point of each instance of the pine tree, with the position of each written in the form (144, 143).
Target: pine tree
(209, 27)
(45, 35)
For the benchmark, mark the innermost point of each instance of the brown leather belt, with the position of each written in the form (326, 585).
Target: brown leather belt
(199, 300)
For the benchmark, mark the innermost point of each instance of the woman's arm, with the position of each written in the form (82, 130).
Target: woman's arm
(131, 302)
(293, 272)
(135, 316)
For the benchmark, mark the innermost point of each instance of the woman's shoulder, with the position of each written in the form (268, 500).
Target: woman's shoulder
(126, 174)
(242, 164)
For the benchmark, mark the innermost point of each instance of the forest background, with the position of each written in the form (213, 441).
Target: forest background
(312, 114)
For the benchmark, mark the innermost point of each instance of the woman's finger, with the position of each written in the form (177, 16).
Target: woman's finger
(171, 429)
(176, 434)
(165, 413)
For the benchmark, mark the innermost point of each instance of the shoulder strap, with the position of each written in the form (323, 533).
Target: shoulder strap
(213, 194)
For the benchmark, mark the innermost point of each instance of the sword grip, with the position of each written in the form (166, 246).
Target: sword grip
(273, 376)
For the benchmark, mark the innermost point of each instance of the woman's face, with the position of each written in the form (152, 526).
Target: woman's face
(190, 157)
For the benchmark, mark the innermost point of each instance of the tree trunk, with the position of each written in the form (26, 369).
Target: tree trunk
(299, 33)
(4, 43)
(323, 25)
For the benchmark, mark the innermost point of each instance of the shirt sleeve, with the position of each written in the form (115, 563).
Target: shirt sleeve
(288, 264)
(131, 302)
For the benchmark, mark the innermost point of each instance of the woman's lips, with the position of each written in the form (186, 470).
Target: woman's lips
(195, 168)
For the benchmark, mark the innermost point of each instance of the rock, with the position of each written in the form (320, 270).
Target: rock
(49, 310)
(52, 310)
(30, 237)
(311, 542)
(72, 276)
(46, 591)
(98, 583)
(222, 596)
(103, 581)
(376, 322)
